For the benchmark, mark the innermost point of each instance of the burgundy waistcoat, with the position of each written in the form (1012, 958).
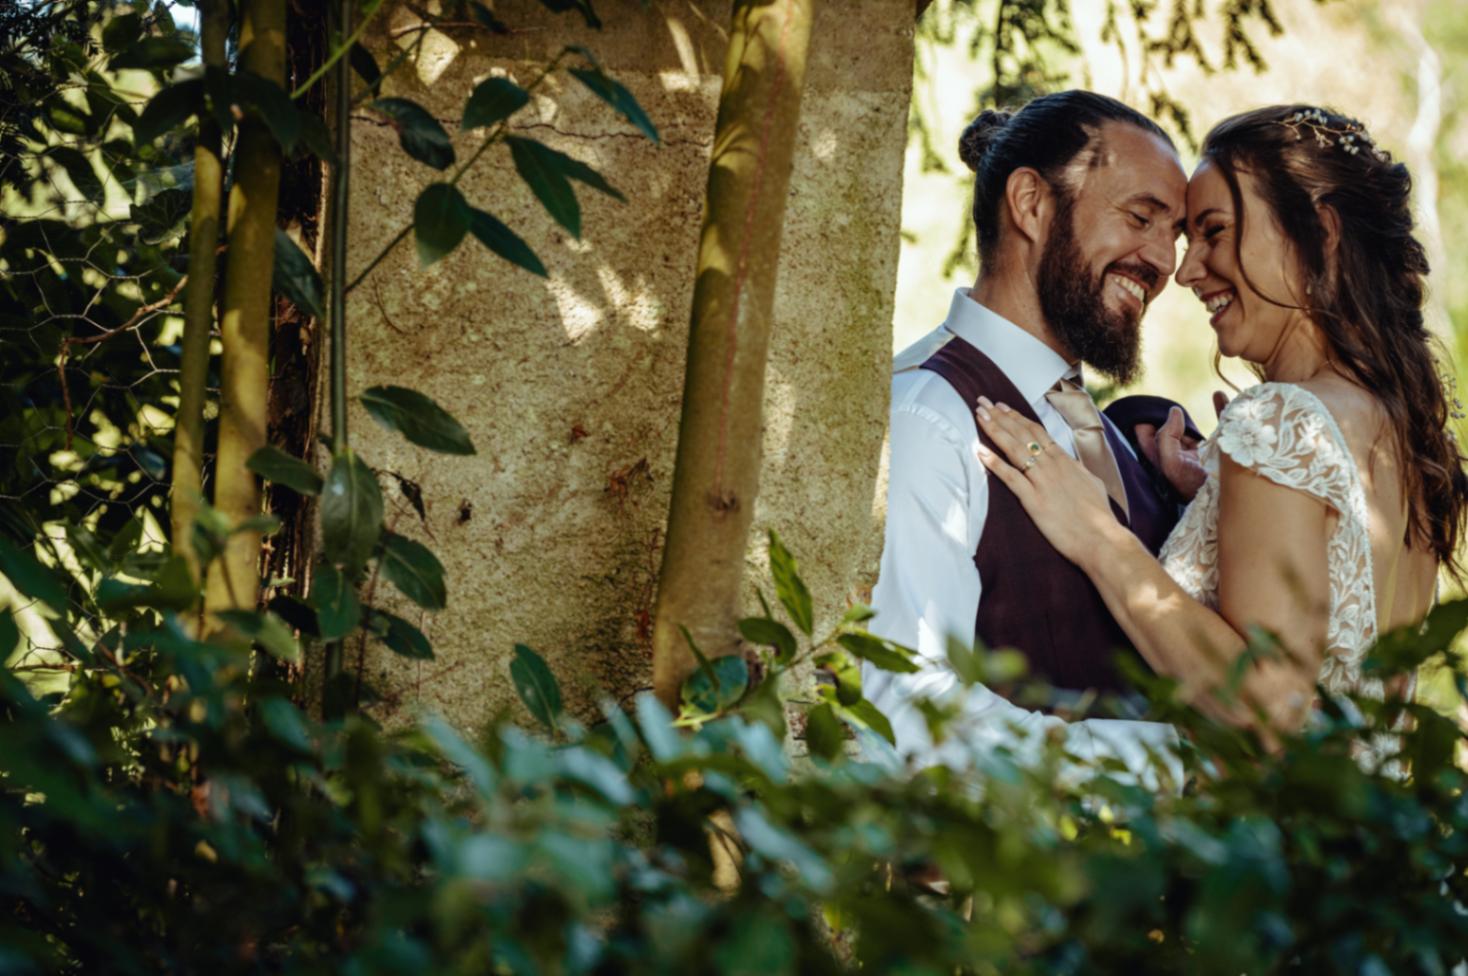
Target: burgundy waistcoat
(1034, 599)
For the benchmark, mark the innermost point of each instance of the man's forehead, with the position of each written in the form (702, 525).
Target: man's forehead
(1128, 162)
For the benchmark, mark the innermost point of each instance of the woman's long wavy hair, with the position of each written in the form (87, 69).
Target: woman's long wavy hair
(1365, 294)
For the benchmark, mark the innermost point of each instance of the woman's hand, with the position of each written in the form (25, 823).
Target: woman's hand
(1066, 502)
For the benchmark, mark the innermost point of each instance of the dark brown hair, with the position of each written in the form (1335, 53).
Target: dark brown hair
(1366, 296)
(1045, 135)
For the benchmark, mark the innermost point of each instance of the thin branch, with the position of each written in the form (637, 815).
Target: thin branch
(336, 55)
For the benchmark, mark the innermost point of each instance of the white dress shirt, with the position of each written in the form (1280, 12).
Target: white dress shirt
(928, 590)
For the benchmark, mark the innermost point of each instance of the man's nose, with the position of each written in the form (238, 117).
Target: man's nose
(1161, 254)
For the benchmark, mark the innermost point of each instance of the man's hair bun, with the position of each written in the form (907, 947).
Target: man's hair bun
(979, 135)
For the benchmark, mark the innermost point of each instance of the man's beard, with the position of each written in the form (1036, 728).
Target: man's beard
(1074, 304)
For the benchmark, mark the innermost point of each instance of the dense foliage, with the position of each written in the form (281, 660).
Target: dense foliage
(170, 803)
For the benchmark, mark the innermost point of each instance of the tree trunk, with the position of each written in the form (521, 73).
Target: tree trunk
(186, 492)
(245, 320)
(719, 439)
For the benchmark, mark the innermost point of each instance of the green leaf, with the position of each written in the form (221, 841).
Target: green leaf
(493, 100)
(79, 169)
(275, 465)
(536, 686)
(9, 635)
(167, 109)
(273, 105)
(285, 722)
(338, 611)
(316, 138)
(364, 64)
(351, 512)
(265, 629)
(858, 614)
(414, 570)
(846, 672)
(121, 31)
(295, 277)
(882, 653)
(32, 579)
(865, 713)
(153, 54)
(418, 418)
(824, 733)
(440, 220)
(618, 97)
(504, 242)
(65, 117)
(548, 174)
(419, 132)
(762, 630)
(717, 686)
(789, 587)
(401, 637)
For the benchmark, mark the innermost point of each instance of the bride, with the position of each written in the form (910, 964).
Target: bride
(1334, 490)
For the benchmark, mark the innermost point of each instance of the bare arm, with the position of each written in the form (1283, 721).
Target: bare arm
(1272, 570)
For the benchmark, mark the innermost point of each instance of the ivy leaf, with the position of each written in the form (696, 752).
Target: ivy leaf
(153, 54)
(414, 570)
(493, 100)
(419, 132)
(536, 686)
(275, 465)
(882, 653)
(273, 105)
(440, 220)
(504, 242)
(265, 629)
(789, 587)
(549, 172)
(618, 97)
(418, 418)
(338, 611)
(351, 512)
(295, 277)
(79, 169)
(401, 637)
(167, 109)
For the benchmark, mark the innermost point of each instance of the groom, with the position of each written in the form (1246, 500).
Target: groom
(1078, 202)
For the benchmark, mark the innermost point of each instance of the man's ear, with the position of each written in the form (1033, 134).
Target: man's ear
(1030, 202)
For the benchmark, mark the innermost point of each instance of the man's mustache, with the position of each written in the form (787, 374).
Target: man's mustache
(1146, 274)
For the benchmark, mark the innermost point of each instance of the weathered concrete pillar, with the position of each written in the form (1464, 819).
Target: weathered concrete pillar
(570, 387)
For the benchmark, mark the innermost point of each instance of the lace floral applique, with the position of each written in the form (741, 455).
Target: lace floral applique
(1284, 433)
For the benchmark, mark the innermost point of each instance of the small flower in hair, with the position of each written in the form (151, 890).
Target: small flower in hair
(1350, 136)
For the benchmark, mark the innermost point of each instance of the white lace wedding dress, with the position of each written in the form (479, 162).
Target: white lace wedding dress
(1283, 432)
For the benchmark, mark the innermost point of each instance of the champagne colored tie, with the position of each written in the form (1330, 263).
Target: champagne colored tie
(1081, 415)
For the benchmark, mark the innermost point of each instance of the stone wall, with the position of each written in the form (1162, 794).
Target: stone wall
(570, 387)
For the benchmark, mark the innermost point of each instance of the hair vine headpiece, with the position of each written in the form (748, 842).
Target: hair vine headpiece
(1350, 136)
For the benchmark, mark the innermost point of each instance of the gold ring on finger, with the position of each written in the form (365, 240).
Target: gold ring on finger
(1030, 462)
(1035, 448)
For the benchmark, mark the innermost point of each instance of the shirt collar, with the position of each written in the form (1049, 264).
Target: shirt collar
(1033, 367)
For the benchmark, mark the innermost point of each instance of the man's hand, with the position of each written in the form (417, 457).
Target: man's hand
(1174, 453)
